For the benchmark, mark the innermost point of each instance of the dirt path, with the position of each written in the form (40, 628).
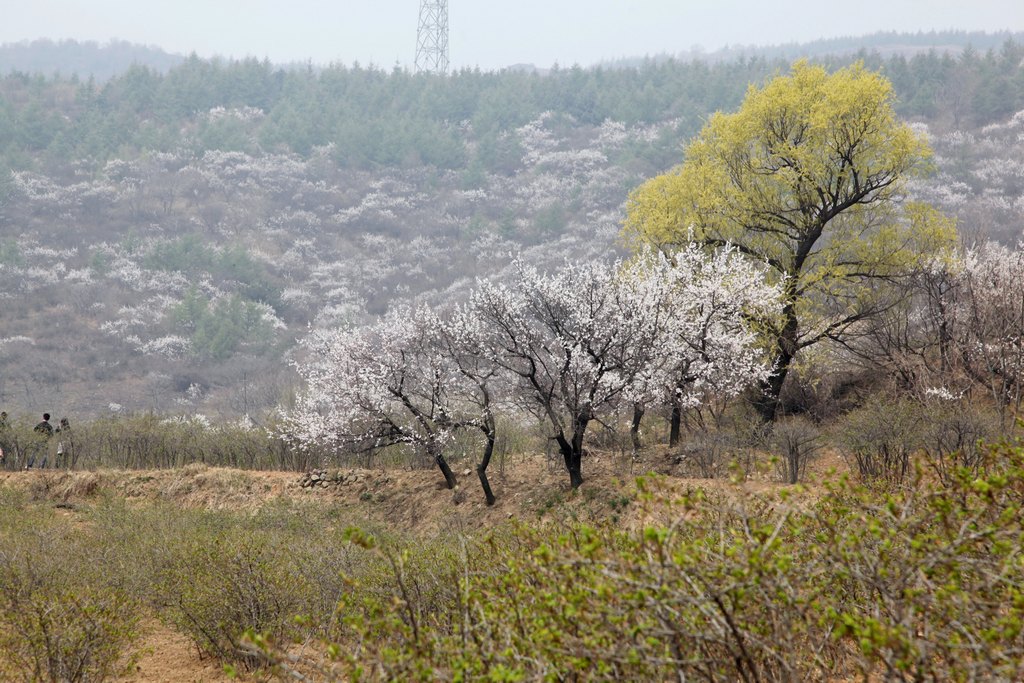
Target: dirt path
(166, 656)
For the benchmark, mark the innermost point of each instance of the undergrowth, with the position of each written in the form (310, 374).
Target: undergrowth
(919, 581)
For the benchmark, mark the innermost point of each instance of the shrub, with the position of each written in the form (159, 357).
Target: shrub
(880, 437)
(704, 454)
(272, 573)
(22, 446)
(231, 584)
(797, 441)
(922, 583)
(728, 448)
(148, 441)
(62, 615)
(952, 435)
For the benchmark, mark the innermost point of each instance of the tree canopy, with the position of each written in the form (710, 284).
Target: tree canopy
(808, 176)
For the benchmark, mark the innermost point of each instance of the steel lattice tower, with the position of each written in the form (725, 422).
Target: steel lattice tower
(432, 37)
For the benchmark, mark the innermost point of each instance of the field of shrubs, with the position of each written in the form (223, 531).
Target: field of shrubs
(902, 563)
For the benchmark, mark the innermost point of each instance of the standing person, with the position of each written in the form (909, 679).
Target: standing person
(4, 428)
(66, 445)
(45, 431)
(44, 427)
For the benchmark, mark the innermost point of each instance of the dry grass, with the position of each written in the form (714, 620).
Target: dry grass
(532, 487)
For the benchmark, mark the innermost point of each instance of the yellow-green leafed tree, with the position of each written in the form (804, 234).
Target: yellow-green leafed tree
(808, 176)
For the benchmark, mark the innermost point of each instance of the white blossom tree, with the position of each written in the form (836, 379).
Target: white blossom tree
(414, 377)
(571, 343)
(381, 385)
(704, 342)
(474, 380)
(991, 317)
(579, 342)
(569, 347)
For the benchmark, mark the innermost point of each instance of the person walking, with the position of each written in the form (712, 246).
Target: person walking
(44, 427)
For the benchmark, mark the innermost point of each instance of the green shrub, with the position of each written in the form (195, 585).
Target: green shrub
(236, 582)
(279, 573)
(880, 437)
(63, 616)
(922, 583)
(952, 436)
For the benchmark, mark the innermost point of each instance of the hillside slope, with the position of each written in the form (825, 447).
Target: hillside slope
(166, 238)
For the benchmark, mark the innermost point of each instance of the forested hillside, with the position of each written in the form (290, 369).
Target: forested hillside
(86, 60)
(166, 237)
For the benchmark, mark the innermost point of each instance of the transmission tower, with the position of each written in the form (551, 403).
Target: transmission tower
(432, 37)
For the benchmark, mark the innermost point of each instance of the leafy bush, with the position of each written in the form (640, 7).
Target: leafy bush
(274, 574)
(919, 584)
(233, 583)
(880, 437)
(63, 617)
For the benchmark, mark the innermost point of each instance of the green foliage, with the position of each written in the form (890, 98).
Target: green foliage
(73, 591)
(192, 255)
(881, 436)
(10, 253)
(220, 586)
(63, 617)
(921, 583)
(99, 262)
(219, 329)
(6, 179)
(396, 118)
(187, 254)
(227, 134)
(216, 575)
(550, 221)
(954, 435)
(808, 177)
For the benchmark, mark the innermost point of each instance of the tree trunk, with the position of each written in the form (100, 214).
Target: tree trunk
(767, 404)
(449, 478)
(675, 423)
(481, 469)
(573, 457)
(634, 429)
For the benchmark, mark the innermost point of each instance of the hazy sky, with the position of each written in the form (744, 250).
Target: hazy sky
(486, 33)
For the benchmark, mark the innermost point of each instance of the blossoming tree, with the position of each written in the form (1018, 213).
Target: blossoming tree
(705, 308)
(381, 385)
(569, 347)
